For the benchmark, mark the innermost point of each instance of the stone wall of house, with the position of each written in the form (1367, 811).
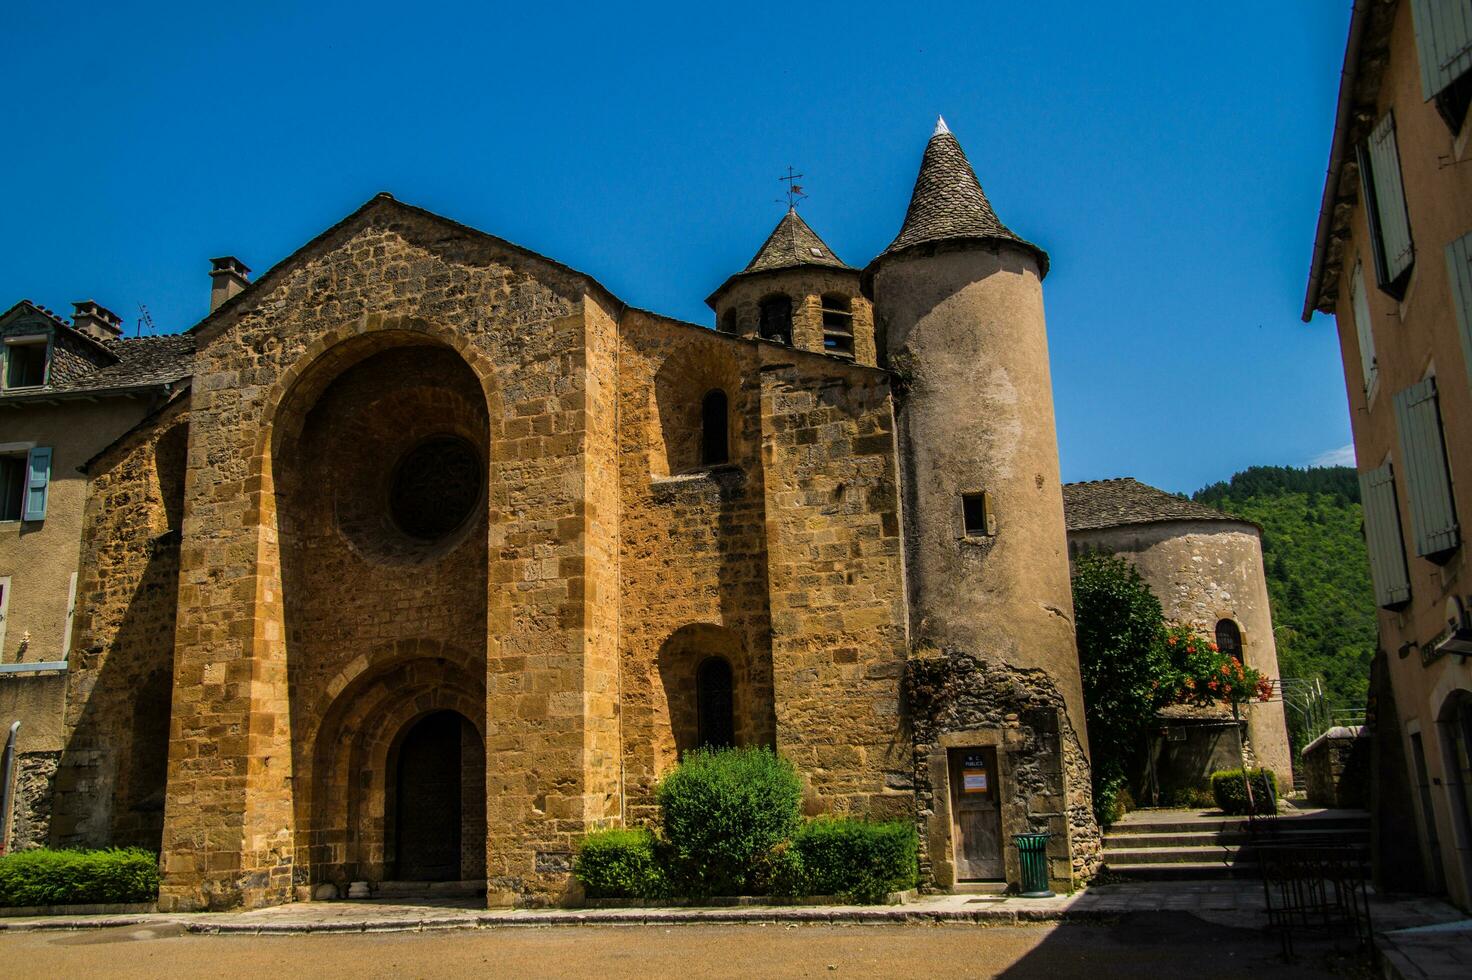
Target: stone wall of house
(109, 789)
(957, 700)
(35, 780)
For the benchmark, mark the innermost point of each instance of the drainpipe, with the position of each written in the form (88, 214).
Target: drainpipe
(7, 786)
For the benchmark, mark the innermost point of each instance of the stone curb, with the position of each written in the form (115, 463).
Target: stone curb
(767, 916)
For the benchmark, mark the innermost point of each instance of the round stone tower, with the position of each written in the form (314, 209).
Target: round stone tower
(796, 291)
(958, 306)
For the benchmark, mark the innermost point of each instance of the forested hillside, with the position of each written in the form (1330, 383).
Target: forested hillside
(1318, 572)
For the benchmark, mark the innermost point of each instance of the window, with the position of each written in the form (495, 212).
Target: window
(714, 706)
(25, 363)
(714, 446)
(1428, 478)
(1359, 301)
(775, 321)
(1459, 273)
(976, 515)
(12, 487)
(1383, 539)
(1385, 208)
(1229, 638)
(1444, 43)
(838, 325)
(728, 321)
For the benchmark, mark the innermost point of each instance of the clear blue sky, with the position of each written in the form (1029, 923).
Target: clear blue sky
(1168, 155)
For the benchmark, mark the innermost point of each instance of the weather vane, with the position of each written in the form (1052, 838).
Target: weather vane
(794, 189)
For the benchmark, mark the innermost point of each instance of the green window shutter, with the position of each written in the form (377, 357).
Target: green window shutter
(1443, 41)
(1390, 226)
(38, 475)
(1382, 537)
(1359, 301)
(1428, 479)
(1459, 274)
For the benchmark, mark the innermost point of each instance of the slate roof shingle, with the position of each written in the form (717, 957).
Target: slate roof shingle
(948, 202)
(793, 243)
(1099, 504)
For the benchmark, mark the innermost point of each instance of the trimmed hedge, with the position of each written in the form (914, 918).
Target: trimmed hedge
(855, 859)
(45, 877)
(620, 864)
(1230, 791)
(724, 813)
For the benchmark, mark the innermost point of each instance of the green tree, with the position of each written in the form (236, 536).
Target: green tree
(1122, 657)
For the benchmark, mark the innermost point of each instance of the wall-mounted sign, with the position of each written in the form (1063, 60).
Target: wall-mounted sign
(974, 776)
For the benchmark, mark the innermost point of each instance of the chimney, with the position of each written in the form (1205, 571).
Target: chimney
(228, 276)
(97, 322)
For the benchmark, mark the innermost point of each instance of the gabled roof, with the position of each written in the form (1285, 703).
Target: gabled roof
(381, 204)
(1366, 56)
(948, 203)
(1099, 504)
(792, 245)
(56, 321)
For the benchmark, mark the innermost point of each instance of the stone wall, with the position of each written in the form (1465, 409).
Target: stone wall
(35, 778)
(1336, 767)
(110, 783)
(957, 700)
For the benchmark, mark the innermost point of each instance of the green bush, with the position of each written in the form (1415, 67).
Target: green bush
(724, 813)
(43, 877)
(857, 860)
(620, 864)
(1230, 790)
(1192, 797)
(1112, 799)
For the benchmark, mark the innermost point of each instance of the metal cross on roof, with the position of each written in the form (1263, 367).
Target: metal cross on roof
(794, 189)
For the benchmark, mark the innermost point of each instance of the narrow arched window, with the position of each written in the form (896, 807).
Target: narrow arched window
(714, 710)
(714, 441)
(838, 325)
(775, 322)
(1229, 638)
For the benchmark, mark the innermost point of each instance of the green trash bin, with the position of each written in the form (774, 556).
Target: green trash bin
(1032, 851)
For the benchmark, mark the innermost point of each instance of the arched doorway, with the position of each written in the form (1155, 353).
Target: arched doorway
(438, 771)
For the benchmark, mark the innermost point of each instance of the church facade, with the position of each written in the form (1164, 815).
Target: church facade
(443, 555)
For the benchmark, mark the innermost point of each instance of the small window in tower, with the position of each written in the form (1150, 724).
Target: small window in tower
(1229, 638)
(728, 321)
(714, 442)
(976, 515)
(838, 325)
(25, 363)
(776, 319)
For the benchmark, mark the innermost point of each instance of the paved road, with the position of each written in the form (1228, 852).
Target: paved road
(1157, 946)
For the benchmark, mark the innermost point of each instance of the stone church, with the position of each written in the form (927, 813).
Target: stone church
(438, 555)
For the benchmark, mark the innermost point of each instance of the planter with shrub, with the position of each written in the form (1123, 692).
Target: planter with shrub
(109, 877)
(1230, 791)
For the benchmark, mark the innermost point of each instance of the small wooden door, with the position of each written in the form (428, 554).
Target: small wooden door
(976, 814)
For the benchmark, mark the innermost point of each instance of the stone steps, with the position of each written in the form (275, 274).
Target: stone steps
(1195, 846)
(429, 889)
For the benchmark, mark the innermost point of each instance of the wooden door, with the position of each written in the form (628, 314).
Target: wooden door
(976, 814)
(429, 800)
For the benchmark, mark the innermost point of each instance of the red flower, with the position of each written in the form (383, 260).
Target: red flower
(1213, 647)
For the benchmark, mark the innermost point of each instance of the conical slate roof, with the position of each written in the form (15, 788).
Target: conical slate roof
(791, 245)
(948, 202)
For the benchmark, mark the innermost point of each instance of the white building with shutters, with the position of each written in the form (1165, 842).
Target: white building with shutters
(1392, 261)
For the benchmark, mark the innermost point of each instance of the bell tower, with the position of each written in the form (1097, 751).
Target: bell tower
(796, 291)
